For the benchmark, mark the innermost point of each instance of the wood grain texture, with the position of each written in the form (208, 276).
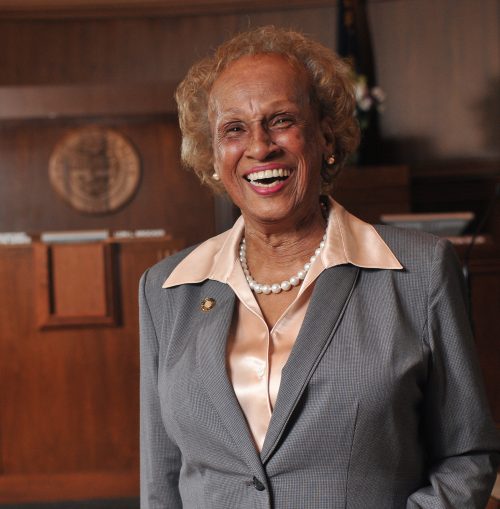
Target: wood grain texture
(484, 269)
(57, 9)
(437, 60)
(168, 196)
(134, 50)
(80, 270)
(69, 397)
(56, 101)
(370, 191)
(58, 487)
(74, 285)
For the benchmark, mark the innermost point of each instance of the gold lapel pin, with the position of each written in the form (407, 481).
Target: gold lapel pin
(207, 304)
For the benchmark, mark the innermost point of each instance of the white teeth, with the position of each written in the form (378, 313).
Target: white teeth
(261, 184)
(266, 174)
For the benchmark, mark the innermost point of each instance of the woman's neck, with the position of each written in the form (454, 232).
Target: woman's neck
(275, 252)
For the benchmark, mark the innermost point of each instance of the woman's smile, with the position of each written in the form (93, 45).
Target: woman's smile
(268, 179)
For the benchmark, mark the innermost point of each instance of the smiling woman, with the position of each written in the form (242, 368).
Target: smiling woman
(334, 357)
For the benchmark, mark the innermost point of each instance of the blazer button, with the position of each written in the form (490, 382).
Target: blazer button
(258, 485)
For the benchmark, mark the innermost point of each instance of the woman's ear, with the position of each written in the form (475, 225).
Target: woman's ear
(327, 131)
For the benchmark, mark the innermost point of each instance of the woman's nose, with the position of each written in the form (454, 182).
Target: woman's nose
(260, 143)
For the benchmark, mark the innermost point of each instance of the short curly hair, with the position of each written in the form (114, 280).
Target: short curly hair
(332, 89)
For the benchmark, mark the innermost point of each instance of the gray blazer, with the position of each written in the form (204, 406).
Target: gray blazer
(380, 404)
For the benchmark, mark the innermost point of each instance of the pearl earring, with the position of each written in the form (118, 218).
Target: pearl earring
(215, 176)
(331, 160)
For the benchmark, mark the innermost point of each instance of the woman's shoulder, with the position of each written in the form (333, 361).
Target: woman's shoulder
(155, 275)
(406, 237)
(414, 248)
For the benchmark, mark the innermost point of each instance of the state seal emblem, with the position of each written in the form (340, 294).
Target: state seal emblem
(95, 169)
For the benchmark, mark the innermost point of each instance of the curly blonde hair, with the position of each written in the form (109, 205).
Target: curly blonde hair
(332, 89)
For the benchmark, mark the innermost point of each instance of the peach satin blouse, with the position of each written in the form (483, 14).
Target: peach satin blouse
(255, 354)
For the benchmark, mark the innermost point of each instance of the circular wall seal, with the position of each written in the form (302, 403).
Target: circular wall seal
(95, 169)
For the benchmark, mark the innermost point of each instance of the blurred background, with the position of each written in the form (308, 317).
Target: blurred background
(92, 193)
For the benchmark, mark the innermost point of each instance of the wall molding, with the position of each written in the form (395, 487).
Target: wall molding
(54, 101)
(56, 9)
(53, 487)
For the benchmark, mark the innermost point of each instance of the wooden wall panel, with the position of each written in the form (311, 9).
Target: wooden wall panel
(484, 288)
(370, 191)
(59, 101)
(75, 284)
(72, 267)
(43, 52)
(70, 398)
(168, 196)
(57, 9)
(437, 60)
(71, 394)
(43, 488)
(486, 296)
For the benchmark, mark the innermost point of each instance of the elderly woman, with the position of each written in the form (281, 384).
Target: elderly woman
(304, 358)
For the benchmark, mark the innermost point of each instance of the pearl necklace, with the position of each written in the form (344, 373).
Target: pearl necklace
(284, 285)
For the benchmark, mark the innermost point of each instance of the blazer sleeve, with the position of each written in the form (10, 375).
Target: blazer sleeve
(460, 434)
(160, 457)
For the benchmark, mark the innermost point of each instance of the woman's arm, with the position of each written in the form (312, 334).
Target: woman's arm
(461, 438)
(160, 457)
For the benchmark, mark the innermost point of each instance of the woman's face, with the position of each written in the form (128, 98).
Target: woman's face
(268, 141)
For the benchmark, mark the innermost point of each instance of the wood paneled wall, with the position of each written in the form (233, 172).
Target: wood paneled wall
(438, 61)
(69, 396)
(139, 49)
(49, 58)
(69, 419)
(168, 196)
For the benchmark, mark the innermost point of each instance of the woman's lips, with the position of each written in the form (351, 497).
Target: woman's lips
(268, 180)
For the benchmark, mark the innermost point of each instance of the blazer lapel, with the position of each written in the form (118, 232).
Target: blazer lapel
(331, 294)
(212, 328)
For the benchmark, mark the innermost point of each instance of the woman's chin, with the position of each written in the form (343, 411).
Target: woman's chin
(271, 212)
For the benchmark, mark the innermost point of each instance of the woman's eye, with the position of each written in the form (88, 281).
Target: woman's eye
(232, 130)
(282, 121)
